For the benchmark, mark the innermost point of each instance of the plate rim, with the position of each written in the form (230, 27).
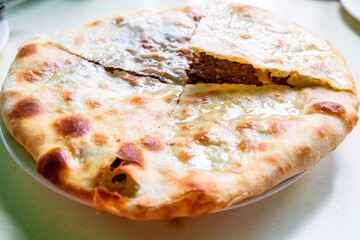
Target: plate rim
(347, 6)
(32, 170)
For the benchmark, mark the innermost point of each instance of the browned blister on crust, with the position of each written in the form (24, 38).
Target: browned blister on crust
(27, 50)
(247, 144)
(330, 108)
(132, 153)
(72, 126)
(52, 164)
(280, 126)
(152, 143)
(220, 118)
(25, 108)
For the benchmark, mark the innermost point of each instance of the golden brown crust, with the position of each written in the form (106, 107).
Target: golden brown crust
(193, 203)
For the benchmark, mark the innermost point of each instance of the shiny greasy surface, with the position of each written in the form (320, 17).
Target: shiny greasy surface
(220, 124)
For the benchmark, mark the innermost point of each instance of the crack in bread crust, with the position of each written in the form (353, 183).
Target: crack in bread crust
(111, 70)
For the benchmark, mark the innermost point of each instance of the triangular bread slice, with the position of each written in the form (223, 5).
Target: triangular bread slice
(148, 43)
(281, 50)
(72, 115)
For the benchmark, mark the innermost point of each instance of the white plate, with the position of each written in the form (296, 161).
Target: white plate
(24, 159)
(352, 7)
(4, 32)
(274, 190)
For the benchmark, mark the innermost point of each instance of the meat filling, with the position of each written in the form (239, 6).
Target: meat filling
(279, 80)
(208, 69)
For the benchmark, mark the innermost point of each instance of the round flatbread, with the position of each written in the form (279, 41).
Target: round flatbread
(160, 114)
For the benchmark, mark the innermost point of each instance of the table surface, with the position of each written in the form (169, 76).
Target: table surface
(324, 204)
